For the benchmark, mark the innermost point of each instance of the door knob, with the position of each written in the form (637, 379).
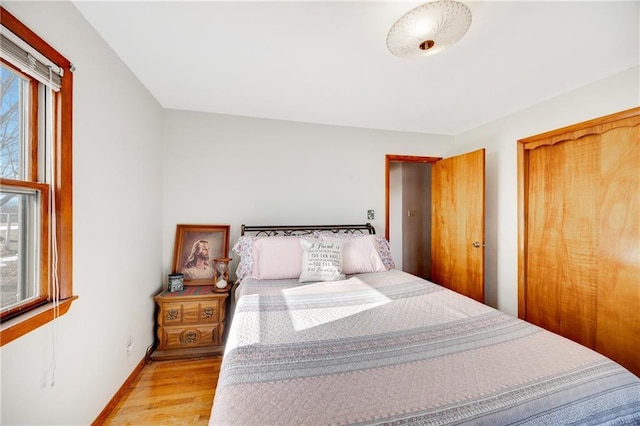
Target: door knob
(476, 244)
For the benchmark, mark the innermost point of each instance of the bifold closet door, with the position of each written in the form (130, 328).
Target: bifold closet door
(618, 331)
(563, 238)
(579, 234)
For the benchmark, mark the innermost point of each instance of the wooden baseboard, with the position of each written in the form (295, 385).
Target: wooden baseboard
(119, 394)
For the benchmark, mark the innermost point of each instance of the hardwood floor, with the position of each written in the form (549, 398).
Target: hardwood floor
(168, 393)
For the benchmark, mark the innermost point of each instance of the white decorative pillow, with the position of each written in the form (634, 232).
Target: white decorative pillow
(360, 255)
(321, 261)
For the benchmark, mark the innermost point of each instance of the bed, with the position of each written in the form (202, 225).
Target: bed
(387, 347)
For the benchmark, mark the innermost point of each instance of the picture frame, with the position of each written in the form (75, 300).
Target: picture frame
(175, 283)
(195, 248)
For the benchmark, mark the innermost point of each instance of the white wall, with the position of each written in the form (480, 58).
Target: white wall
(117, 237)
(616, 93)
(221, 169)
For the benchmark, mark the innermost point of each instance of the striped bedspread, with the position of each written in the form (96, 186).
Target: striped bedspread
(391, 348)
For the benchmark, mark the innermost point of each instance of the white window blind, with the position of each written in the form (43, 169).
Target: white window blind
(28, 60)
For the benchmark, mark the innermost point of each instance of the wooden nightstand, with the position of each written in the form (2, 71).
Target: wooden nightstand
(190, 323)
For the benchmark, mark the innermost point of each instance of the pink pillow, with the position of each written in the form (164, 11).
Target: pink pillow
(360, 255)
(277, 258)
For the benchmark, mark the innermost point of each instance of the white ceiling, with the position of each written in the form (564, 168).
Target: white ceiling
(327, 62)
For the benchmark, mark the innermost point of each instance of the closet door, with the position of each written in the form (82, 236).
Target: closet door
(618, 331)
(579, 234)
(457, 223)
(562, 273)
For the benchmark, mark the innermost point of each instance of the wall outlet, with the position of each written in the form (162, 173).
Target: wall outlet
(371, 215)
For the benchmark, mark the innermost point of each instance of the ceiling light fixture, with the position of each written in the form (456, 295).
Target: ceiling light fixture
(428, 29)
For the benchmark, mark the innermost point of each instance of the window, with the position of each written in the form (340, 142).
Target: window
(35, 181)
(24, 206)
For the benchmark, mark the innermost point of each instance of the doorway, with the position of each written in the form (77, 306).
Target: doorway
(408, 218)
(456, 227)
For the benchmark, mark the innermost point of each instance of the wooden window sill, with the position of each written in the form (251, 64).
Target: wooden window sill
(19, 326)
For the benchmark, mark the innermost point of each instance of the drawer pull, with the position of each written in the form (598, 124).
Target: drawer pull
(207, 312)
(172, 314)
(190, 337)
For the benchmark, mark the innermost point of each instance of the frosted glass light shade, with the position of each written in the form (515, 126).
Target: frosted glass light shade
(428, 29)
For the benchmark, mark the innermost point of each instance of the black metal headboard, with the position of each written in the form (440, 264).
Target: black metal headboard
(306, 230)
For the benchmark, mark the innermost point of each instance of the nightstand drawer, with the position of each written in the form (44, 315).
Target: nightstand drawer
(191, 312)
(190, 337)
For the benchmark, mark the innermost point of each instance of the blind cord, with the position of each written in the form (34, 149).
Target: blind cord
(55, 287)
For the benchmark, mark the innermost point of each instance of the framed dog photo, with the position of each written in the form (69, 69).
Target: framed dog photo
(196, 247)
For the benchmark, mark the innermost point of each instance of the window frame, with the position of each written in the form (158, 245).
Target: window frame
(61, 190)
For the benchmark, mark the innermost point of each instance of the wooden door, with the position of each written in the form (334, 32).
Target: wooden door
(618, 328)
(457, 223)
(562, 238)
(579, 234)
